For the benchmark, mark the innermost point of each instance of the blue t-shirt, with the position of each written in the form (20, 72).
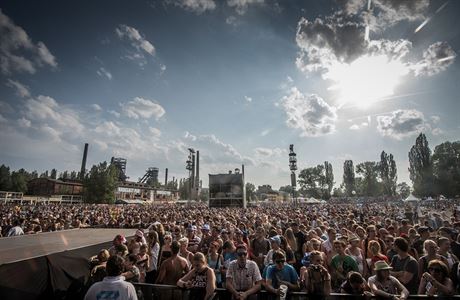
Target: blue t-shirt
(287, 273)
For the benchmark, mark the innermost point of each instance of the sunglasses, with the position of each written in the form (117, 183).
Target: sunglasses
(242, 253)
(280, 261)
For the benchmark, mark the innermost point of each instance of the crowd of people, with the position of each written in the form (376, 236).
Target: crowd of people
(387, 250)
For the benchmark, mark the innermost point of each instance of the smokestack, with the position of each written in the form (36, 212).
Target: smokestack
(197, 180)
(83, 162)
(193, 172)
(166, 178)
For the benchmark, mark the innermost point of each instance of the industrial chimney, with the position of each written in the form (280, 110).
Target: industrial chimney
(197, 171)
(166, 178)
(83, 162)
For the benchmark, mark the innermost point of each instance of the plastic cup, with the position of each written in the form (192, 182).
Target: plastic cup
(283, 289)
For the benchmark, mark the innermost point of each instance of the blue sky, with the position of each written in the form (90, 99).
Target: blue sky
(238, 80)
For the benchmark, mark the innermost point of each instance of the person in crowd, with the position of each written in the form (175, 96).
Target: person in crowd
(418, 244)
(328, 246)
(99, 271)
(117, 241)
(315, 279)
(260, 246)
(193, 239)
(143, 262)
(405, 267)
(371, 236)
(436, 281)
(341, 264)
(389, 241)
(177, 233)
(444, 251)
(275, 244)
(154, 250)
(16, 230)
(355, 285)
(290, 256)
(281, 273)
(200, 280)
(215, 261)
(165, 251)
(243, 279)
(113, 286)
(375, 254)
(206, 239)
(452, 236)
(382, 284)
(173, 267)
(297, 244)
(131, 273)
(183, 252)
(357, 254)
(135, 244)
(431, 253)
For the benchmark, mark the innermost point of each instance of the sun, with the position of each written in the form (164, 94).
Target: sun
(366, 80)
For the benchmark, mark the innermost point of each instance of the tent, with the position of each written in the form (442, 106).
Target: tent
(411, 198)
(312, 201)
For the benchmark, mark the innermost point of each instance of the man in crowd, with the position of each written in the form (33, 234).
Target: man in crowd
(173, 268)
(405, 267)
(113, 286)
(243, 276)
(281, 273)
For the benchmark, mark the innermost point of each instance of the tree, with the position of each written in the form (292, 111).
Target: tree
(100, 183)
(311, 181)
(44, 174)
(5, 178)
(349, 178)
(19, 181)
(329, 180)
(73, 175)
(250, 192)
(288, 189)
(446, 169)
(388, 173)
(420, 167)
(369, 172)
(403, 190)
(53, 174)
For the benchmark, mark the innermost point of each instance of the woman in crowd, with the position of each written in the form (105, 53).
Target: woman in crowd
(355, 285)
(165, 251)
(184, 252)
(143, 262)
(436, 281)
(200, 280)
(153, 249)
(215, 260)
(357, 254)
(430, 249)
(375, 255)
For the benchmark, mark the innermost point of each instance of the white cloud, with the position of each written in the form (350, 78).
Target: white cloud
(103, 72)
(354, 127)
(21, 90)
(436, 59)
(15, 44)
(241, 6)
(311, 114)
(96, 107)
(156, 133)
(136, 39)
(402, 123)
(115, 113)
(142, 108)
(248, 99)
(23, 122)
(359, 126)
(263, 153)
(189, 136)
(231, 20)
(197, 6)
(265, 132)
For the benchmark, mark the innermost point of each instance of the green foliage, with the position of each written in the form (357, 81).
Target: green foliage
(19, 181)
(368, 184)
(388, 173)
(53, 174)
(446, 168)
(250, 192)
(317, 181)
(349, 178)
(100, 184)
(421, 168)
(403, 190)
(5, 178)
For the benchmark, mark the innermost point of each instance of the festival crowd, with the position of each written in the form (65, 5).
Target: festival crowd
(386, 250)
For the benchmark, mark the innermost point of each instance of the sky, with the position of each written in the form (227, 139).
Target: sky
(238, 80)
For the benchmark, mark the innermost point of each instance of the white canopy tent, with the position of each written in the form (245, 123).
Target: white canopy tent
(411, 198)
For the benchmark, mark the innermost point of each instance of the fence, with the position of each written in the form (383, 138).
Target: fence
(171, 292)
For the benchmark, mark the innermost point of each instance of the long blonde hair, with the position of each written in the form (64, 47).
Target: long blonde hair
(290, 238)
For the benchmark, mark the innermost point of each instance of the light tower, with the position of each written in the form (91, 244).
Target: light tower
(191, 171)
(293, 168)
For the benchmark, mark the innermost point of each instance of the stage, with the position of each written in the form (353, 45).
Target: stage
(47, 265)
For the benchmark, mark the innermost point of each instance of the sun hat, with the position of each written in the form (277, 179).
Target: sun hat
(381, 265)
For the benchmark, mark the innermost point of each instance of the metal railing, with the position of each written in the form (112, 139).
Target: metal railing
(171, 292)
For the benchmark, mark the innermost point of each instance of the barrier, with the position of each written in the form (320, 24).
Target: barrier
(154, 291)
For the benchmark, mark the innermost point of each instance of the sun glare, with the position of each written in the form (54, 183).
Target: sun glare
(366, 80)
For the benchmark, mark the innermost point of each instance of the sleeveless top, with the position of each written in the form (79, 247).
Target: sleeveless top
(215, 265)
(359, 260)
(199, 283)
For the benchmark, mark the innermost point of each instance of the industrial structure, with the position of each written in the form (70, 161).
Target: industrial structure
(227, 190)
(193, 167)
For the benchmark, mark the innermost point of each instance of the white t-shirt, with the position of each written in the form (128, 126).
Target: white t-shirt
(15, 231)
(113, 288)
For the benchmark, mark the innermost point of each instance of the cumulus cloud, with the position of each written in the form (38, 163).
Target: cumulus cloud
(436, 59)
(248, 99)
(155, 132)
(17, 51)
(309, 113)
(402, 123)
(265, 132)
(196, 6)
(102, 72)
(21, 90)
(269, 152)
(189, 136)
(96, 107)
(137, 40)
(241, 6)
(359, 126)
(140, 108)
